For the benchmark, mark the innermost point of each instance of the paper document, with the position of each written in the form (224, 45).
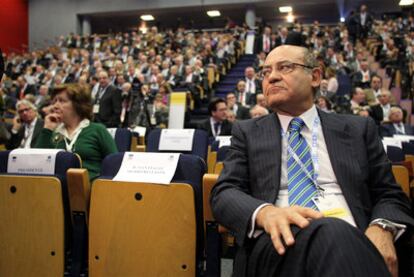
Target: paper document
(176, 139)
(32, 161)
(148, 167)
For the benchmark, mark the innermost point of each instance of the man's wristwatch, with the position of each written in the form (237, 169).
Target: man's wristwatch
(386, 225)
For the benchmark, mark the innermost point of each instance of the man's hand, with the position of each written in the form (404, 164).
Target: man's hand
(276, 222)
(383, 241)
(17, 123)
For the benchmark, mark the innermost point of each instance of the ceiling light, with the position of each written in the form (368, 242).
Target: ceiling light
(213, 13)
(285, 9)
(147, 17)
(290, 18)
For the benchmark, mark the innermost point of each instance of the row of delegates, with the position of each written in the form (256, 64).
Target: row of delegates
(69, 126)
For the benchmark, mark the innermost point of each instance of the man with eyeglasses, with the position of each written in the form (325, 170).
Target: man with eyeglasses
(308, 193)
(26, 126)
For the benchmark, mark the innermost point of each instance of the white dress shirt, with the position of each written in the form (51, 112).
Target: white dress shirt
(326, 176)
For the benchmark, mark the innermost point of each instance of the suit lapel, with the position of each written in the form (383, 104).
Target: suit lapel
(270, 138)
(343, 160)
(38, 127)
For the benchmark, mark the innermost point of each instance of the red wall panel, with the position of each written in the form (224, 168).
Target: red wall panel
(14, 25)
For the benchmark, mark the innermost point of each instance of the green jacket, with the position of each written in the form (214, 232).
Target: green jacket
(93, 145)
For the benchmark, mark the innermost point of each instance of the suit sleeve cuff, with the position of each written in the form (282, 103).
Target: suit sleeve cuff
(253, 233)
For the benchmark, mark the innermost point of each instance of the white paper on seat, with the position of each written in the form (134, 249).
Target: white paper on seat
(176, 139)
(112, 131)
(32, 161)
(148, 167)
(224, 140)
(140, 130)
(386, 141)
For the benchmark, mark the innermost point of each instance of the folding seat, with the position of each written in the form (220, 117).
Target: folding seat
(221, 156)
(408, 148)
(122, 137)
(37, 231)
(402, 177)
(212, 155)
(147, 229)
(395, 154)
(200, 143)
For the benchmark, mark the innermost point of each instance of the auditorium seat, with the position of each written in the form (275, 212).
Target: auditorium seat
(200, 143)
(123, 138)
(149, 229)
(395, 154)
(37, 234)
(221, 156)
(402, 178)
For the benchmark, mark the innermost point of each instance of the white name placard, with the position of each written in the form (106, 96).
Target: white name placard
(148, 167)
(224, 140)
(32, 161)
(386, 141)
(112, 132)
(404, 137)
(140, 130)
(176, 139)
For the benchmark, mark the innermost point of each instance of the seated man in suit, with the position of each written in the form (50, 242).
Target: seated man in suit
(380, 112)
(217, 124)
(374, 91)
(308, 193)
(395, 126)
(240, 111)
(26, 126)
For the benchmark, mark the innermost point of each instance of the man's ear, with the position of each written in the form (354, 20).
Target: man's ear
(316, 77)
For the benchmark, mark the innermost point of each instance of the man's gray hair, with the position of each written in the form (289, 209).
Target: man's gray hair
(27, 103)
(309, 58)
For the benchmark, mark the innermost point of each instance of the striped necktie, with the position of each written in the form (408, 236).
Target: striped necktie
(301, 189)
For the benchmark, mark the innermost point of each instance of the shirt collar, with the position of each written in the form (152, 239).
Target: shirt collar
(61, 129)
(308, 117)
(32, 124)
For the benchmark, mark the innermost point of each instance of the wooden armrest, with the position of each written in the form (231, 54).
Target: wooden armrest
(79, 190)
(211, 161)
(141, 148)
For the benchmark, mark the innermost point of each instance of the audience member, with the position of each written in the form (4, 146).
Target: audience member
(240, 111)
(395, 126)
(69, 127)
(217, 124)
(26, 126)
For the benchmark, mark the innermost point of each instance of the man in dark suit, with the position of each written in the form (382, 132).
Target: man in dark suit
(308, 193)
(107, 103)
(380, 112)
(240, 111)
(23, 88)
(264, 41)
(253, 85)
(365, 21)
(395, 126)
(217, 124)
(26, 126)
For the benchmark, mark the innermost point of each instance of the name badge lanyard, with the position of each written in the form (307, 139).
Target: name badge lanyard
(214, 131)
(314, 157)
(98, 99)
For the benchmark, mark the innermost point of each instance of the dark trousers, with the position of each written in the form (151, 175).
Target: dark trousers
(327, 247)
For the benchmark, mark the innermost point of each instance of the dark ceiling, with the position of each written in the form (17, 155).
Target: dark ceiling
(326, 11)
